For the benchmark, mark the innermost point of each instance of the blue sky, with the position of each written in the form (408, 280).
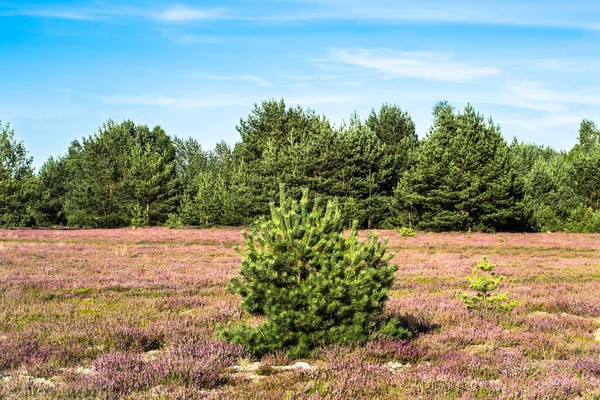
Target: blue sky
(197, 67)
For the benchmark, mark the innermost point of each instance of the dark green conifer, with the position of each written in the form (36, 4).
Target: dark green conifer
(313, 284)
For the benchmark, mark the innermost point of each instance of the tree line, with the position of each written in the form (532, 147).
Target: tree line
(462, 176)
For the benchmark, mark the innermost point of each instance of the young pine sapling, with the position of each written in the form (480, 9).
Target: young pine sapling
(484, 282)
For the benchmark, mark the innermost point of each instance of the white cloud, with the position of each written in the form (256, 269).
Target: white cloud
(251, 78)
(542, 124)
(186, 38)
(187, 102)
(574, 65)
(56, 13)
(423, 65)
(550, 13)
(350, 83)
(183, 13)
(536, 96)
(558, 131)
(528, 95)
(296, 77)
(175, 14)
(324, 99)
(222, 100)
(69, 15)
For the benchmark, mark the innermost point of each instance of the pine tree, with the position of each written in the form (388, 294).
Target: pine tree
(364, 174)
(119, 169)
(280, 146)
(522, 158)
(585, 158)
(313, 284)
(97, 196)
(51, 188)
(151, 177)
(484, 283)
(459, 180)
(212, 197)
(549, 194)
(190, 161)
(396, 130)
(16, 180)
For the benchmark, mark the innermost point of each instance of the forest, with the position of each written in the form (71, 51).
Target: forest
(462, 176)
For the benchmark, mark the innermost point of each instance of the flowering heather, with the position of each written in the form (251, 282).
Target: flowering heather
(133, 313)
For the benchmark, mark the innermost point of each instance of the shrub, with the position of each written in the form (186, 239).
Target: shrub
(393, 327)
(385, 349)
(137, 216)
(278, 358)
(406, 232)
(132, 338)
(118, 374)
(484, 282)
(173, 221)
(584, 220)
(201, 364)
(313, 284)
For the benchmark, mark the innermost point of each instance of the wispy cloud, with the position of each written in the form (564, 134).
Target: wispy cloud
(250, 78)
(186, 102)
(576, 65)
(213, 101)
(296, 77)
(323, 99)
(350, 83)
(56, 13)
(175, 14)
(181, 13)
(536, 96)
(190, 38)
(526, 95)
(423, 65)
(560, 131)
(550, 13)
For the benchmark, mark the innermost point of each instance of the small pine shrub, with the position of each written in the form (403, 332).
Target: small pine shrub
(484, 282)
(137, 216)
(313, 284)
(173, 221)
(406, 232)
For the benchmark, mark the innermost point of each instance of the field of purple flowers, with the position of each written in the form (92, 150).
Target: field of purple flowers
(132, 314)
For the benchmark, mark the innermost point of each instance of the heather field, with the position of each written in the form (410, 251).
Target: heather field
(132, 314)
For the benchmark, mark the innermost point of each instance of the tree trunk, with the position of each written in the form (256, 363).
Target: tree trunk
(147, 213)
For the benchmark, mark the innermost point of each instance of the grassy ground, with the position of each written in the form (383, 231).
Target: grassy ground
(132, 314)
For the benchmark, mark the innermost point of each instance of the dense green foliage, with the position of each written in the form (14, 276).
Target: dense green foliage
(460, 178)
(462, 175)
(406, 232)
(124, 174)
(314, 285)
(16, 179)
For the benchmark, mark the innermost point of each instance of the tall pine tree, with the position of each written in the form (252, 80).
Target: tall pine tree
(396, 129)
(585, 158)
(459, 180)
(123, 172)
(16, 179)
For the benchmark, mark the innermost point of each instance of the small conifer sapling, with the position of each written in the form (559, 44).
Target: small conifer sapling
(484, 283)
